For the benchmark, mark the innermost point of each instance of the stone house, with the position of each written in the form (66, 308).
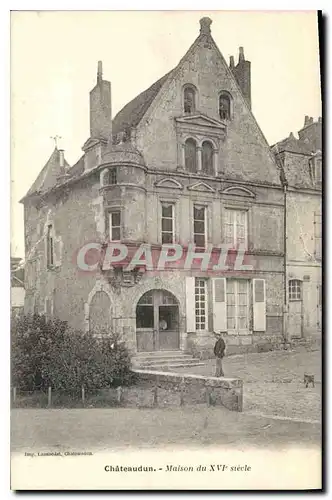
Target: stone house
(185, 163)
(300, 161)
(17, 291)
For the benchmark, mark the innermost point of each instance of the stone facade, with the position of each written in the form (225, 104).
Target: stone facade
(300, 161)
(120, 186)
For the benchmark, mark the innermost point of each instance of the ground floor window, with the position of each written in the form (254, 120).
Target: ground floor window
(237, 305)
(295, 289)
(234, 305)
(200, 304)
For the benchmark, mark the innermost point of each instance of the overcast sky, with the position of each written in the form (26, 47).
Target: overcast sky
(54, 62)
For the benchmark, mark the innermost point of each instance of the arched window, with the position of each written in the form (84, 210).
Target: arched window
(207, 158)
(190, 155)
(189, 98)
(295, 289)
(224, 106)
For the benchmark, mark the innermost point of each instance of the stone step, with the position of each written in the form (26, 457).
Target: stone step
(160, 354)
(169, 367)
(163, 362)
(159, 359)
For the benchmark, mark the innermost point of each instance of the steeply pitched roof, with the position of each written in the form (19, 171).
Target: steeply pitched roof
(132, 113)
(292, 145)
(49, 174)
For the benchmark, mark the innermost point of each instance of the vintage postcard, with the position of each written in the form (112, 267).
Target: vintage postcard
(166, 251)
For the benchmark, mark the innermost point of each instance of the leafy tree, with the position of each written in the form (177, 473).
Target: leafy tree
(49, 353)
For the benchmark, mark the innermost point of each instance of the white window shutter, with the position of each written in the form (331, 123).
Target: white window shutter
(190, 304)
(219, 305)
(259, 305)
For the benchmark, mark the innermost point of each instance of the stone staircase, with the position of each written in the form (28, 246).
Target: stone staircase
(164, 360)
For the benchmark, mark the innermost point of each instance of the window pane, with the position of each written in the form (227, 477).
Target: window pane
(199, 213)
(167, 211)
(116, 219)
(199, 240)
(243, 323)
(167, 238)
(167, 225)
(113, 176)
(199, 227)
(146, 298)
(295, 289)
(144, 317)
(115, 233)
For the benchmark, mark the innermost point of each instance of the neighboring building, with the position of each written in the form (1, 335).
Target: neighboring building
(16, 286)
(301, 163)
(184, 162)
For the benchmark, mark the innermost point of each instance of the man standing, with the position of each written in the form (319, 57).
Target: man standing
(219, 352)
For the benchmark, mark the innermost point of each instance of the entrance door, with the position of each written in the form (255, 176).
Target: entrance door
(157, 322)
(295, 308)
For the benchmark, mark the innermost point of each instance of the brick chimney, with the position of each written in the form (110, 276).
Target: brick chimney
(242, 73)
(100, 107)
(63, 175)
(311, 133)
(100, 121)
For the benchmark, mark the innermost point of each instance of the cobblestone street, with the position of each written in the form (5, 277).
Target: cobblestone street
(273, 381)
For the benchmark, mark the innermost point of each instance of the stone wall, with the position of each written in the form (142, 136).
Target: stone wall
(195, 389)
(243, 155)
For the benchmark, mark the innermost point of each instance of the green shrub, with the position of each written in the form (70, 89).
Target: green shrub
(49, 353)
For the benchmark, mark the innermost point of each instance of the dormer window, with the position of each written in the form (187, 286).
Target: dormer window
(315, 166)
(189, 99)
(224, 106)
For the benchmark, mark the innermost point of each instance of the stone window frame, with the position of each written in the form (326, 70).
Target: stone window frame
(239, 205)
(50, 247)
(107, 175)
(197, 200)
(174, 200)
(189, 86)
(295, 290)
(172, 218)
(227, 94)
(315, 169)
(190, 138)
(108, 212)
(199, 158)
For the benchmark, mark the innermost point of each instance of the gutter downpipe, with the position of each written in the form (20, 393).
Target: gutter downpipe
(285, 305)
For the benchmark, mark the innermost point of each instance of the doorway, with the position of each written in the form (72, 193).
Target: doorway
(295, 305)
(157, 322)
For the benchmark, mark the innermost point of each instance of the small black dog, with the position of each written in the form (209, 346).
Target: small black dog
(309, 379)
